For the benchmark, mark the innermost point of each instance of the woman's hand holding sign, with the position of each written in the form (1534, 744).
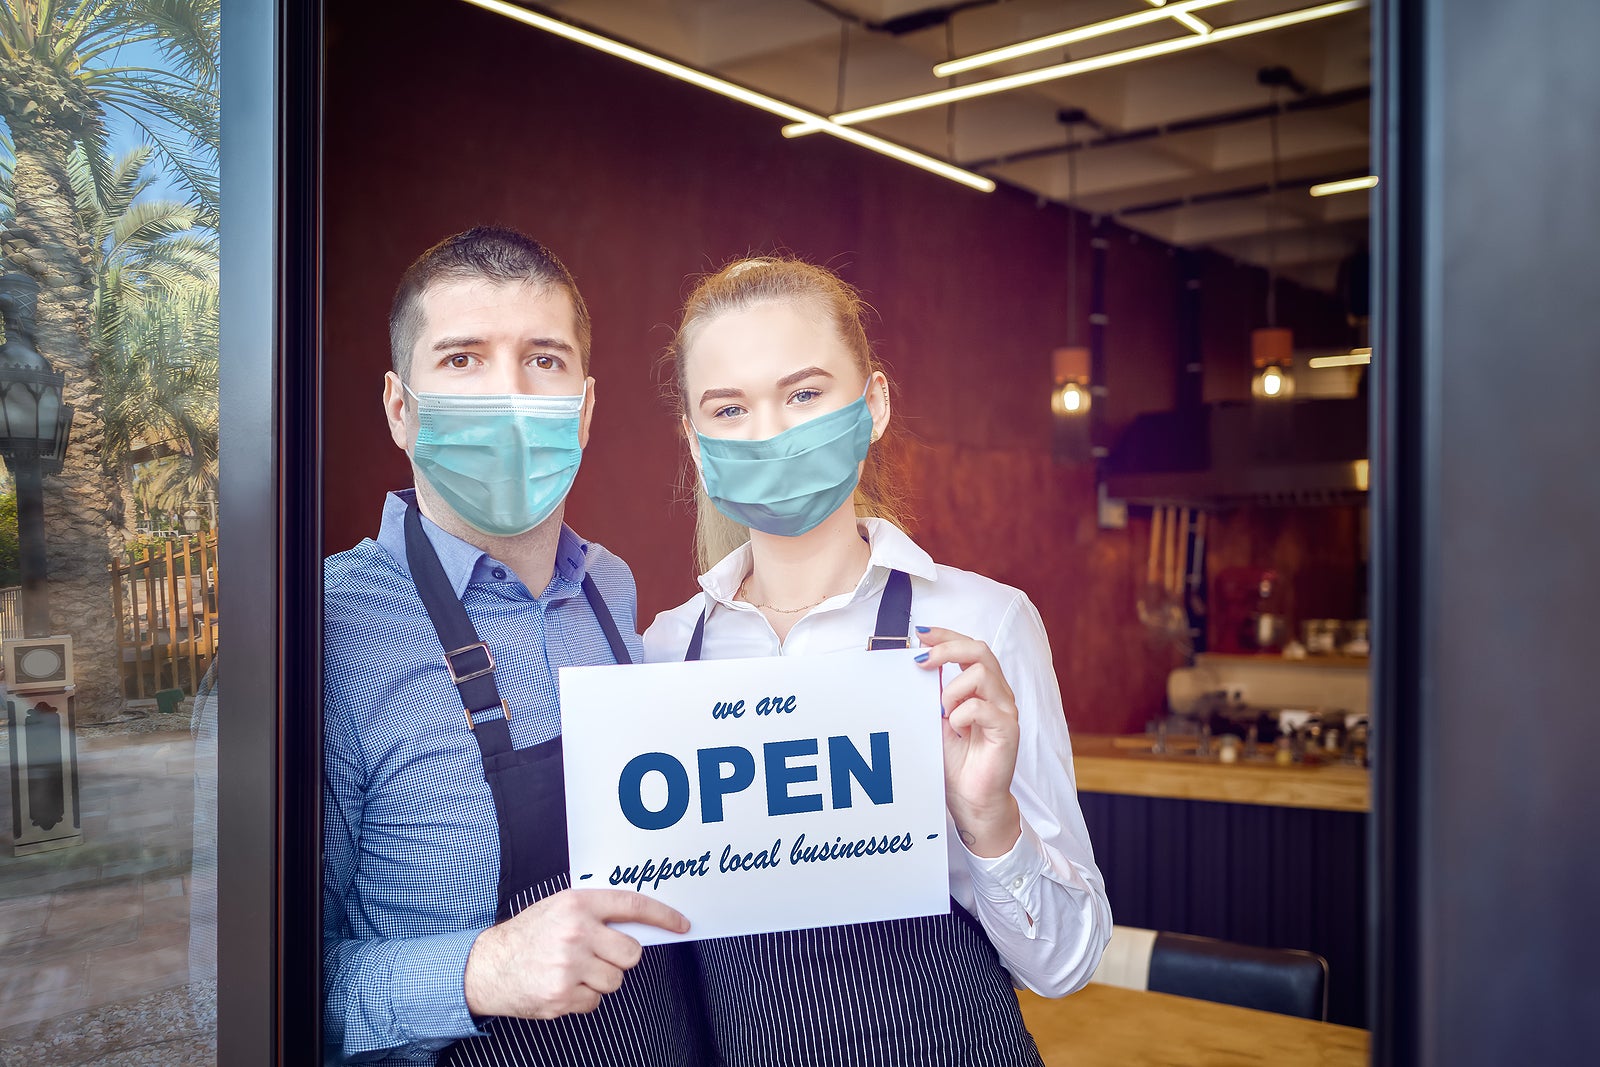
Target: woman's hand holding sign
(558, 956)
(980, 742)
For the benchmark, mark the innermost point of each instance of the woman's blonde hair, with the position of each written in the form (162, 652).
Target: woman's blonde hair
(747, 283)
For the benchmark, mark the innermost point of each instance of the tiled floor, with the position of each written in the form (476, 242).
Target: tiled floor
(96, 936)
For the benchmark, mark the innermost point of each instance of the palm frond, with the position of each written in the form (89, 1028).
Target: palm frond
(150, 221)
(191, 30)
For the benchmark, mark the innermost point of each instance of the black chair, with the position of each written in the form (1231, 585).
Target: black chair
(1285, 980)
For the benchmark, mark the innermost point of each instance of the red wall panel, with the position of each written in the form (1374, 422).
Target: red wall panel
(441, 116)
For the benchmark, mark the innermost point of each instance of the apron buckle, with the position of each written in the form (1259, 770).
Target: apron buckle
(503, 707)
(874, 645)
(473, 670)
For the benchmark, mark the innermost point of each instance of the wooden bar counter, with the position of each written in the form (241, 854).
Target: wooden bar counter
(1125, 765)
(1107, 1026)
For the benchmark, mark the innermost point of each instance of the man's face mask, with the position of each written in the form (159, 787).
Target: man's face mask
(503, 462)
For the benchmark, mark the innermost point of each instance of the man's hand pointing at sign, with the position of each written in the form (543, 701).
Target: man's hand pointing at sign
(980, 742)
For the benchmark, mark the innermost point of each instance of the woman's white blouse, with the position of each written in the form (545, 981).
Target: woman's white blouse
(1043, 904)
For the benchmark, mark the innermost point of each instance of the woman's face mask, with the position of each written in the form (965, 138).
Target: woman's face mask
(503, 462)
(787, 484)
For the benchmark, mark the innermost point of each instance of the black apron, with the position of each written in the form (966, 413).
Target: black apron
(929, 990)
(655, 1019)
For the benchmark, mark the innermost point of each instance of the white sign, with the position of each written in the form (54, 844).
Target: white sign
(759, 794)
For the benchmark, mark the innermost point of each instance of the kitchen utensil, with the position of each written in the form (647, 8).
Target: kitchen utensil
(1161, 603)
(1197, 580)
(1151, 596)
(1175, 617)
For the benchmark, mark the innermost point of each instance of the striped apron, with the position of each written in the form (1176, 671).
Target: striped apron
(655, 1019)
(923, 991)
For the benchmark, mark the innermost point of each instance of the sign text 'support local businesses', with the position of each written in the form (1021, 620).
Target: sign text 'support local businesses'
(759, 794)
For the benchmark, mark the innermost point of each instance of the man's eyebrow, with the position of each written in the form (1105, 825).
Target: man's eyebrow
(446, 344)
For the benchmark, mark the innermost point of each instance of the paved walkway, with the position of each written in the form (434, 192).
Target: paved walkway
(95, 939)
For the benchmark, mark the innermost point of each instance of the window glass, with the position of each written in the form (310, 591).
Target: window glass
(109, 572)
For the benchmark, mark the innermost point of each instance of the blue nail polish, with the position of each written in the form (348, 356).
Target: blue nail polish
(922, 629)
(922, 657)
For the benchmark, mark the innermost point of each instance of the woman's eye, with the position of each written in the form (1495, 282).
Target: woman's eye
(805, 396)
(728, 412)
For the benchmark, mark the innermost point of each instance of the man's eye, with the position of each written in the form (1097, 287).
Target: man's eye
(460, 361)
(548, 362)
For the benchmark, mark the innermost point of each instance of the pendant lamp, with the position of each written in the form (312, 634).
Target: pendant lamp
(1272, 346)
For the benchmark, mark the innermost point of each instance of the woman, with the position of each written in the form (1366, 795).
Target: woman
(781, 403)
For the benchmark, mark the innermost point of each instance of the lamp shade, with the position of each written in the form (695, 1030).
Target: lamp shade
(1070, 365)
(1271, 345)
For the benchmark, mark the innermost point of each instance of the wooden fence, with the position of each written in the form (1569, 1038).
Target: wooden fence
(166, 604)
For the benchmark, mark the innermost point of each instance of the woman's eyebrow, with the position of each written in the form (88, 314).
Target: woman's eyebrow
(801, 375)
(720, 394)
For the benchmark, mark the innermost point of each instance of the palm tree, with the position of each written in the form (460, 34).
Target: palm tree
(61, 73)
(155, 328)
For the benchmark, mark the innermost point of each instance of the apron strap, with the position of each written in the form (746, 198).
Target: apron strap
(467, 658)
(892, 630)
(699, 636)
(602, 614)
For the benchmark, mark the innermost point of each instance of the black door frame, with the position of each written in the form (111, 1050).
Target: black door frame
(1486, 517)
(1478, 112)
(269, 737)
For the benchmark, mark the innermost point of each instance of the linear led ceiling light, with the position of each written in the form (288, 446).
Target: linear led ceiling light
(1077, 66)
(809, 119)
(1350, 185)
(1356, 357)
(1082, 33)
(1184, 17)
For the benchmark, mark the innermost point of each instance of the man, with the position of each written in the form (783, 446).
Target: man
(446, 908)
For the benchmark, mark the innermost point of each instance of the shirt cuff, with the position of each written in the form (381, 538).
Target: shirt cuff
(1011, 880)
(429, 984)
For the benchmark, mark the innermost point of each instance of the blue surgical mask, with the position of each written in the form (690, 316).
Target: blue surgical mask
(786, 485)
(503, 461)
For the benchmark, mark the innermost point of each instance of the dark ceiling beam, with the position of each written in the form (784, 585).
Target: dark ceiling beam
(1242, 192)
(911, 22)
(1168, 129)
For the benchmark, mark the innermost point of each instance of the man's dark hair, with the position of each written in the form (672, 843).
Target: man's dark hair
(483, 253)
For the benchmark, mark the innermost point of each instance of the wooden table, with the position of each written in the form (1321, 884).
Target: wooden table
(1107, 1026)
(1118, 764)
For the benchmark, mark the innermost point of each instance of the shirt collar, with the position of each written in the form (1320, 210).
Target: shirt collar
(892, 550)
(462, 561)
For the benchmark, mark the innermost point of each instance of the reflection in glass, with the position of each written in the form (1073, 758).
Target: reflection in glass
(108, 425)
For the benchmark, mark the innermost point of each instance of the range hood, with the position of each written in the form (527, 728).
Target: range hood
(1281, 452)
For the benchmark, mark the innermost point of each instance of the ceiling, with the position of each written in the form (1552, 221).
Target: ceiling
(1177, 146)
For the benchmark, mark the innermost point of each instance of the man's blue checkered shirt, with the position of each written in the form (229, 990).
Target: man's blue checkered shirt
(411, 847)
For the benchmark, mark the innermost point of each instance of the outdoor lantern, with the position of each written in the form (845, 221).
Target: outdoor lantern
(191, 521)
(34, 423)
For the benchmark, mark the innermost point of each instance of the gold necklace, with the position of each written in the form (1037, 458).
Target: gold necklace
(740, 594)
